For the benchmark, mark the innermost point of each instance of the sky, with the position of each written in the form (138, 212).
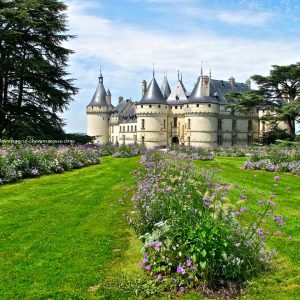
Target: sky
(126, 38)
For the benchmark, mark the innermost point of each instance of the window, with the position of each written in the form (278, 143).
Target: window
(143, 124)
(123, 128)
(187, 105)
(131, 128)
(150, 106)
(120, 128)
(175, 107)
(233, 124)
(127, 128)
(197, 105)
(250, 140)
(233, 140)
(175, 122)
(181, 107)
(164, 123)
(249, 125)
(189, 124)
(112, 129)
(219, 124)
(263, 123)
(220, 140)
(158, 106)
(134, 127)
(141, 106)
(209, 105)
(112, 140)
(143, 140)
(123, 139)
(189, 141)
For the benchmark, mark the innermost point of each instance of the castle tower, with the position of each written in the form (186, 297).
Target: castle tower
(98, 112)
(152, 117)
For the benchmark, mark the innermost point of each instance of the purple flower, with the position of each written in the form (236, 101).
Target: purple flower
(141, 265)
(148, 267)
(181, 289)
(260, 231)
(276, 178)
(180, 270)
(167, 190)
(261, 202)
(159, 276)
(272, 203)
(242, 209)
(273, 251)
(188, 262)
(238, 245)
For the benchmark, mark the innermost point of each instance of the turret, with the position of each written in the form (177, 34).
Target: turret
(144, 87)
(98, 113)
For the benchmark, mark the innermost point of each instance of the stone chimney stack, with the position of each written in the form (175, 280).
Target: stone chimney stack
(120, 99)
(206, 85)
(144, 87)
(108, 97)
(231, 81)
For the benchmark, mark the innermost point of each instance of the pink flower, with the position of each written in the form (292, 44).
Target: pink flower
(276, 178)
(159, 276)
(238, 245)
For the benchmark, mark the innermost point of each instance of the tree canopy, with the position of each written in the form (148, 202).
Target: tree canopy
(278, 93)
(34, 87)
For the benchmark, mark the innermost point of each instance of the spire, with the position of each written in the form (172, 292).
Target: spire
(153, 70)
(100, 76)
(165, 88)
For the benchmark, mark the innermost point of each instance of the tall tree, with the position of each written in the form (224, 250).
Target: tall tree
(278, 93)
(33, 84)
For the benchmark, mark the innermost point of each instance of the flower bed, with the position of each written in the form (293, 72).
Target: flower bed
(193, 233)
(194, 153)
(275, 159)
(23, 162)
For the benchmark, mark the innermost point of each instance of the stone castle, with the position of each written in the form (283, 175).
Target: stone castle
(166, 116)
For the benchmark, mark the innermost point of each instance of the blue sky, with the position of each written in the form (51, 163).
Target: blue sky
(232, 38)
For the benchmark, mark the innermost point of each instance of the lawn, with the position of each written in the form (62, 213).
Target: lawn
(65, 236)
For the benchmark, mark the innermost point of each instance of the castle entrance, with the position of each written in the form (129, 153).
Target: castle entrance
(175, 140)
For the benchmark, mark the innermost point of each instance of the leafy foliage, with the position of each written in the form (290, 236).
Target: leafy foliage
(33, 83)
(278, 94)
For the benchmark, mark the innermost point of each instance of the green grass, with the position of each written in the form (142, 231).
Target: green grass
(65, 236)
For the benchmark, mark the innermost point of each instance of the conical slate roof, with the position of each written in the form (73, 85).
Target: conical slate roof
(99, 96)
(153, 94)
(165, 88)
(197, 94)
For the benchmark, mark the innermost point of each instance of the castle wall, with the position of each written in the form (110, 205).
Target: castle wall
(97, 124)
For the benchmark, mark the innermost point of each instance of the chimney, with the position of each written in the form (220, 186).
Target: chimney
(108, 97)
(144, 87)
(206, 85)
(120, 99)
(231, 81)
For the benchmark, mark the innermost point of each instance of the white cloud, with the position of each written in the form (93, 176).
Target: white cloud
(245, 17)
(127, 53)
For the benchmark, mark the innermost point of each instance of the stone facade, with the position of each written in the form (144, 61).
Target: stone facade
(164, 116)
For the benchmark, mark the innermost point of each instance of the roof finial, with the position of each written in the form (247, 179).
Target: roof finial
(201, 73)
(209, 73)
(100, 75)
(178, 74)
(153, 69)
